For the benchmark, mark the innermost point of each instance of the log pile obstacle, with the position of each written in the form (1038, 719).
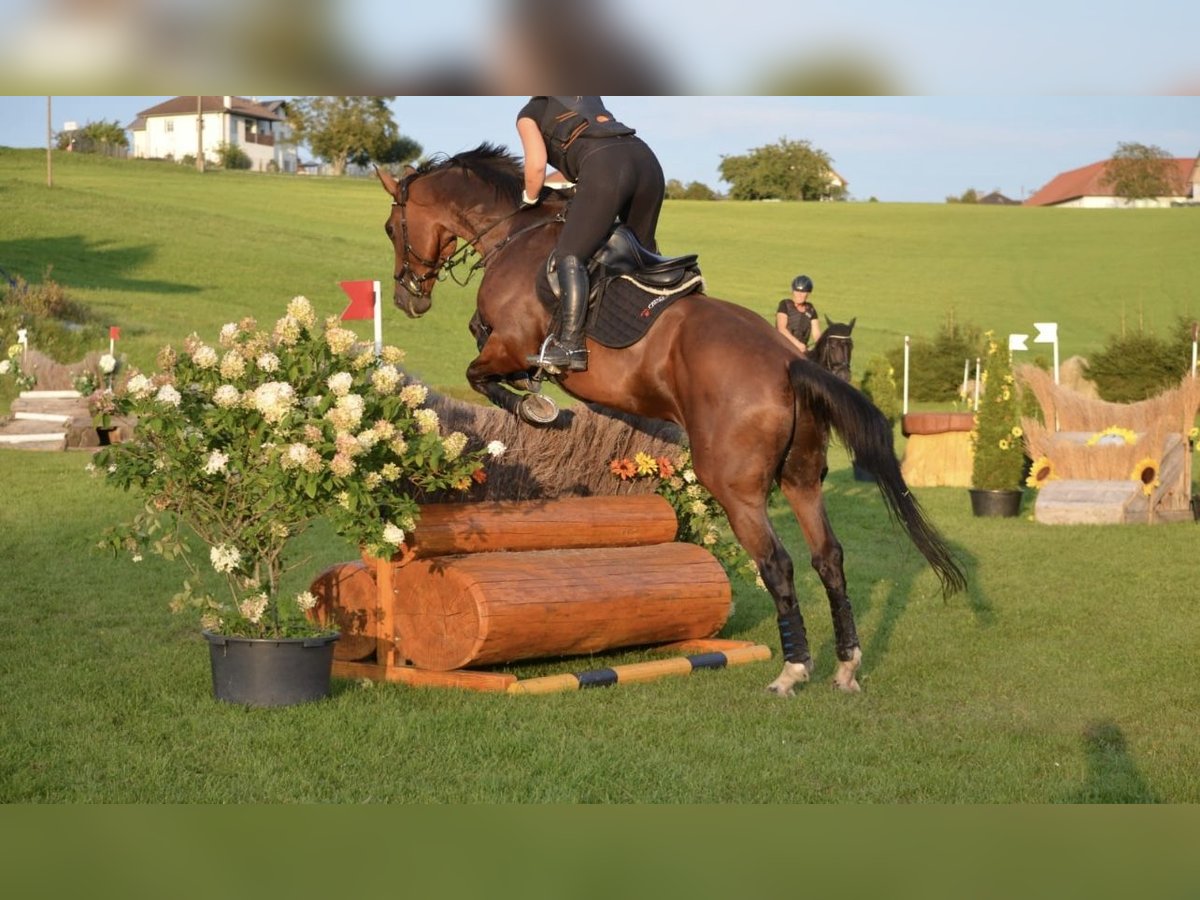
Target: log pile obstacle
(484, 584)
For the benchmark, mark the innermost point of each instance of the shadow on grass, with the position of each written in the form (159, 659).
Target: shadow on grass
(1112, 776)
(80, 261)
(861, 521)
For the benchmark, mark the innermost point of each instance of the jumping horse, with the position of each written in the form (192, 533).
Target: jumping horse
(755, 411)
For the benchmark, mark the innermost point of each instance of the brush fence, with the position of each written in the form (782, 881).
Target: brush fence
(481, 584)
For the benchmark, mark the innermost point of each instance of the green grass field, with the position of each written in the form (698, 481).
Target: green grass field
(1065, 674)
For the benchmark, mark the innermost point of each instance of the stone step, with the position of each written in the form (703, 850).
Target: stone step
(35, 441)
(63, 406)
(50, 395)
(56, 418)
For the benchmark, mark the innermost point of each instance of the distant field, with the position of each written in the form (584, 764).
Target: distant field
(162, 250)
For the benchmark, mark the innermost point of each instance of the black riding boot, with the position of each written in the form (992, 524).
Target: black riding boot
(565, 351)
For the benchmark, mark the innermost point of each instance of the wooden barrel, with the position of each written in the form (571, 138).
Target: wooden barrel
(451, 528)
(482, 609)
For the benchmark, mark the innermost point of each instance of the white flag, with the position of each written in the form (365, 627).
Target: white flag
(1017, 342)
(1047, 332)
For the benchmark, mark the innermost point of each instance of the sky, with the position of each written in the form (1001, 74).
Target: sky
(895, 149)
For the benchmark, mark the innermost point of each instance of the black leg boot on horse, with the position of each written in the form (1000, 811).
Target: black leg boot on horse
(565, 351)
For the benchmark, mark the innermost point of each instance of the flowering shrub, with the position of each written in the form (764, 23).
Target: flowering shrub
(997, 439)
(10, 366)
(246, 442)
(701, 519)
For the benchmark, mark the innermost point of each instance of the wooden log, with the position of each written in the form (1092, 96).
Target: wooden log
(445, 529)
(348, 597)
(481, 609)
(936, 422)
(938, 460)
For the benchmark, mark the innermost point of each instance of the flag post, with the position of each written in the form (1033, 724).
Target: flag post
(378, 322)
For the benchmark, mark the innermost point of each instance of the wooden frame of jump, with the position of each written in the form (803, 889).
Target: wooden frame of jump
(621, 546)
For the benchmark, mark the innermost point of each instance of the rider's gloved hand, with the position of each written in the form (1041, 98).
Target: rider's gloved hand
(527, 201)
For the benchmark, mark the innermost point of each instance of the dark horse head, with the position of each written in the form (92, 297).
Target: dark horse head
(833, 348)
(425, 241)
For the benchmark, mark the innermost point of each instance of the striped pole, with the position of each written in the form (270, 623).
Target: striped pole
(643, 671)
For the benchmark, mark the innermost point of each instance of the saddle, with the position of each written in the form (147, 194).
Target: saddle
(630, 286)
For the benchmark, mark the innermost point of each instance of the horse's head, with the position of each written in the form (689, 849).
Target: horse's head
(422, 243)
(834, 347)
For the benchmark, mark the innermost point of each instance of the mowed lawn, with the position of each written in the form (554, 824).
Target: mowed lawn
(1065, 674)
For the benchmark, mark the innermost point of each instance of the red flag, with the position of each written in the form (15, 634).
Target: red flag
(362, 299)
(114, 331)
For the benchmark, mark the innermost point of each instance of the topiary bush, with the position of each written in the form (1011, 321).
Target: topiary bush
(999, 461)
(1139, 365)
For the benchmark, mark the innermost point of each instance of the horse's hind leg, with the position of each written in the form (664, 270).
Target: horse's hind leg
(804, 496)
(746, 509)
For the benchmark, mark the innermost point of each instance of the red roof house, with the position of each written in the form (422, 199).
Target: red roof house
(1085, 187)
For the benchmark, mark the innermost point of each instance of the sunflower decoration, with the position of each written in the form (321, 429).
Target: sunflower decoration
(1040, 472)
(1110, 435)
(623, 468)
(1146, 472)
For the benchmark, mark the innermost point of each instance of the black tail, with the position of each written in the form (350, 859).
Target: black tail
(867, 434)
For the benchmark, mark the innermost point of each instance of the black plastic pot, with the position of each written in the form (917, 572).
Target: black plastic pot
(1005, 503)
(270, 672)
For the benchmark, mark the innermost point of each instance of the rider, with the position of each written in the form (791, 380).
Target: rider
(616, 176)
(796, 318)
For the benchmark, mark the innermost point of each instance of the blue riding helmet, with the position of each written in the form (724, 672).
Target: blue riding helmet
(802, 283)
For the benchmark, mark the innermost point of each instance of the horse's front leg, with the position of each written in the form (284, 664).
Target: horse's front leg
(492, 370)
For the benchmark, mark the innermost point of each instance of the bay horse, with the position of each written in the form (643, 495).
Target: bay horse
(755, 411)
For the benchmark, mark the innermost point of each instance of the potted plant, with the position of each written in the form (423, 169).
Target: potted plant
(997, 440)
(243, 444)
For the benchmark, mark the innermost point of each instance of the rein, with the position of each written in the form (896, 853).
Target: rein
(450, 263)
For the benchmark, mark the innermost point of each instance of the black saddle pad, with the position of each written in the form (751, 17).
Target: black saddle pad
(621, 310)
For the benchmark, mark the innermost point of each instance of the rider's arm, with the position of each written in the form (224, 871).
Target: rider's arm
(815, 334)
(533, 145)
(781, 323)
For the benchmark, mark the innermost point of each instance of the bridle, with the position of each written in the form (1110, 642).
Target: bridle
(415, 284)
(842, 362)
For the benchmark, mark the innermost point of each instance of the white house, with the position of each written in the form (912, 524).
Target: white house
(259, 128)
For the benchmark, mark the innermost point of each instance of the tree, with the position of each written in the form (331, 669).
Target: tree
(94, 137)
(344, 130)
(694, 190)
(787, 170)
(1139, 172)
(970, 195)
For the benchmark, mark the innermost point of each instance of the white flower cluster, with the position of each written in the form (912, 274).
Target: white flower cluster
(217, 462)
(254, 606)
(274, 400)
(224, 558)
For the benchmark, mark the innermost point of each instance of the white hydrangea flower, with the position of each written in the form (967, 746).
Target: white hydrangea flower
(224, 558)
(385, 378)
(227, 396)
(217, 461)
(393, 534)
(413, 395)
(496, 448)
(268, 361)
(108, 363)
(340, 383)
(427, 420)
(306, 601)
(301, 310)
(274, 400)
(139, 386)
(205, 356)
(168, 394)
(229, 332)
(254, 607)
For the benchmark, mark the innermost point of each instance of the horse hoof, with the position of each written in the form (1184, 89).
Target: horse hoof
(537, 410)
(843, 678)
(780, 691)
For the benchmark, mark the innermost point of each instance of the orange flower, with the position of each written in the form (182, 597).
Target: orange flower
(479, 476)
(623, 468)
(665, 467)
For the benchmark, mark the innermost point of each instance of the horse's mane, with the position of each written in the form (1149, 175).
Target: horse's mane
(490, 163)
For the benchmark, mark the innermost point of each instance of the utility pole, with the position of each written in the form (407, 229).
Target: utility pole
(199, 134)
(49, 144)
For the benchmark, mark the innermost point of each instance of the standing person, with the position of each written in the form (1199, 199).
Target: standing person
(617, 178)
(796, 318)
